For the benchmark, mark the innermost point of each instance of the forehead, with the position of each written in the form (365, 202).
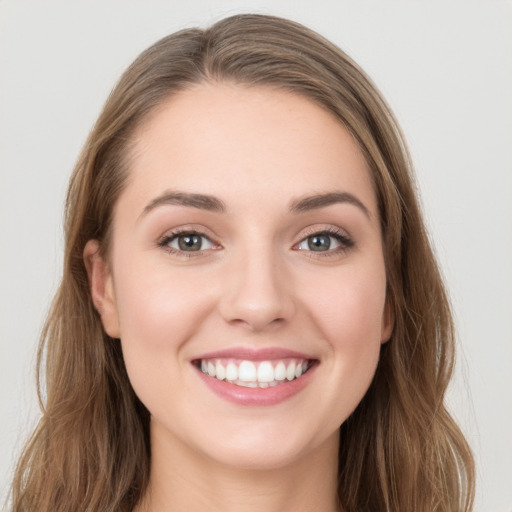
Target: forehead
(245, 142)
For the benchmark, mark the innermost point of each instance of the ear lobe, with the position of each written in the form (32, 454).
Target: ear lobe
(388, 321)
(101, 287)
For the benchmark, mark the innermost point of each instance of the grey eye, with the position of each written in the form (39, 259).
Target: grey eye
(319, 242)
(190, 242)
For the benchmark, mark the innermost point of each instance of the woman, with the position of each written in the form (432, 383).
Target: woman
(250, 315)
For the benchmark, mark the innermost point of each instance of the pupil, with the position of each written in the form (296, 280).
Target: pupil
(190, 242)
(319, 242)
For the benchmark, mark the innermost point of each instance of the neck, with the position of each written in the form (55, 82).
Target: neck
(184, 480)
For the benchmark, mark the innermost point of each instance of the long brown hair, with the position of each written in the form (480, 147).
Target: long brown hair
(400, 450)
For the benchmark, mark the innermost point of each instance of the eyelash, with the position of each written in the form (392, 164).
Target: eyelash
(170, 237)
(346, 243)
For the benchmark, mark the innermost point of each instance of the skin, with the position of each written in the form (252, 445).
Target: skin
(257, 283)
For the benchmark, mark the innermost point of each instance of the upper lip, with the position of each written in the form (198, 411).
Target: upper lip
(254, 354)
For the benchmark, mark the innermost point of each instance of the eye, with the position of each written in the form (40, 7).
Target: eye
(325, 241)
(187, 242)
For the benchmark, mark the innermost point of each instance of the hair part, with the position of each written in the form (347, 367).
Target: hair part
(400, 450)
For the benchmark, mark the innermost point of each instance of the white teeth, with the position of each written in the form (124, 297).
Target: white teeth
(247, 371)
(220, 372)
(253, 374)
(280, 371)
(247, 384)
(265, 372)
(232, 371)
(290, 371)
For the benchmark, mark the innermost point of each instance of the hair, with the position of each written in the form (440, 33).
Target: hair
(400, 450)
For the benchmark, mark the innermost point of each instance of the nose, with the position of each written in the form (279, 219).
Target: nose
(257, 293)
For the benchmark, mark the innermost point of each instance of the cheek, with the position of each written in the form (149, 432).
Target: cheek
(157, 307)
(349, 314)
(159, 312)
(349, 306)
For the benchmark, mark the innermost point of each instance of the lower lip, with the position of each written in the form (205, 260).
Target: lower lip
(257, 396)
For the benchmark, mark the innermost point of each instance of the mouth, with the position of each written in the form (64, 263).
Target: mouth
(251, 373)
(256, 377)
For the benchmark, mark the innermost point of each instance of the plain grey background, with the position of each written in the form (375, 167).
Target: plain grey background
(444, 66)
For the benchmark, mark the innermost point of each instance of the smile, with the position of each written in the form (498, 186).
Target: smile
(254, 374)
(255, 377)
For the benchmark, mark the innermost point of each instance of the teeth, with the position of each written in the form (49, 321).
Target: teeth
(247, 371)
(220, 372)
(265, 372)
(247, 384)
(232, 371)
(290, 371)
(252, 374)
(280, 371)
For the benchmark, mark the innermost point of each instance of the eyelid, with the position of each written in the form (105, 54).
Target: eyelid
(198, 229)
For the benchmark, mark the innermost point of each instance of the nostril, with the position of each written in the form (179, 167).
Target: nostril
(259, 295)
(255, 323)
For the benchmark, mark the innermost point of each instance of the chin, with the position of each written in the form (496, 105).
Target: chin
(267, 449)
(253, 458)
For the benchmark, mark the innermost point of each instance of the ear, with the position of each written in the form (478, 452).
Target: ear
(388, 321)
(102, 287)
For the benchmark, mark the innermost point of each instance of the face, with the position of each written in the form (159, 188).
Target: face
(246, 277)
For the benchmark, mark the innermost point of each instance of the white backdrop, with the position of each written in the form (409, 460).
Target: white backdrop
(445, 67)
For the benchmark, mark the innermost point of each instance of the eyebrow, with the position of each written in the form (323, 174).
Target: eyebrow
(322, 200)
(213, 204)
(200, 201)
